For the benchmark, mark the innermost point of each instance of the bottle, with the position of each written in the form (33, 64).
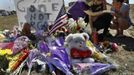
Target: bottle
(114, 47)
(95, 38)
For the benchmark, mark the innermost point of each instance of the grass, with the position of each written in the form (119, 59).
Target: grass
(7, 22)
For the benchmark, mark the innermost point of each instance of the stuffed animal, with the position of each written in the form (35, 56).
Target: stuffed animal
(77, 49)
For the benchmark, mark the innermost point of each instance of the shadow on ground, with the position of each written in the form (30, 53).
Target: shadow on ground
(126, 42)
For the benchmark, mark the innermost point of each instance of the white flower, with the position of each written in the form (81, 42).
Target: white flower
(81, 22)
(72, 23)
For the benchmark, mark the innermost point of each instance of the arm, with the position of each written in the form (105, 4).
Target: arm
(108, 4)
(91, 22)
(90, 15)
(104, 5)
(89, 12)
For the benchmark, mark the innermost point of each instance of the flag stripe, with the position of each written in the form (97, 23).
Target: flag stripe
(59, 20)
(56, 24)
(62, 17)
(60, 25)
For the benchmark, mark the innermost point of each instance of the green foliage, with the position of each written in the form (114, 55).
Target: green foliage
(4, 62)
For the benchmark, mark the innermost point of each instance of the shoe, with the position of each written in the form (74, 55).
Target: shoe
(119, 35)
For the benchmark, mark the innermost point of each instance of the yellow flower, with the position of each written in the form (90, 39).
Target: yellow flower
(6, 51)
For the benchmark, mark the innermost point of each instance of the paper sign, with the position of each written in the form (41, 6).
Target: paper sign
(38, 13)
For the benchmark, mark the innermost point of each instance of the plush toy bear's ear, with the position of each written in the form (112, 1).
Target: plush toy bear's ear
(69, 38)
(85, 35)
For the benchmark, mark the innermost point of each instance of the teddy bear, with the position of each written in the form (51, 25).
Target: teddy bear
(77, 49)
(80, 50)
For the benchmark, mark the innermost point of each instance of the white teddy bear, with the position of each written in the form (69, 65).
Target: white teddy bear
(77, 49)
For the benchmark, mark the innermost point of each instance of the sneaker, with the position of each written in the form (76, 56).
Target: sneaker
(119, 35)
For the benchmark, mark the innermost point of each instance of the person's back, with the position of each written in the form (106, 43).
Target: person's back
(99, 18)
(124, 10)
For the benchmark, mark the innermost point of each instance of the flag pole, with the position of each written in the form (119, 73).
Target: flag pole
(127, 1)
(64, 6)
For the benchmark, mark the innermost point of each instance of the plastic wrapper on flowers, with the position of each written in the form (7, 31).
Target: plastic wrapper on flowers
(16, 60)
(2, 37)
(6, 45)
(34, 53)
(92, 68)
(54, 56)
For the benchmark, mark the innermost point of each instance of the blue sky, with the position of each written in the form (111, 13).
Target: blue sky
(9, 4)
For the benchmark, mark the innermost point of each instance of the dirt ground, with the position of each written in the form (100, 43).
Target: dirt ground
(124, 58)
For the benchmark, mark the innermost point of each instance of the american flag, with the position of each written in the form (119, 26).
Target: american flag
(60, 21)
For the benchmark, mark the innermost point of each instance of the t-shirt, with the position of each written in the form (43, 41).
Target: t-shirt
(124, 7)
